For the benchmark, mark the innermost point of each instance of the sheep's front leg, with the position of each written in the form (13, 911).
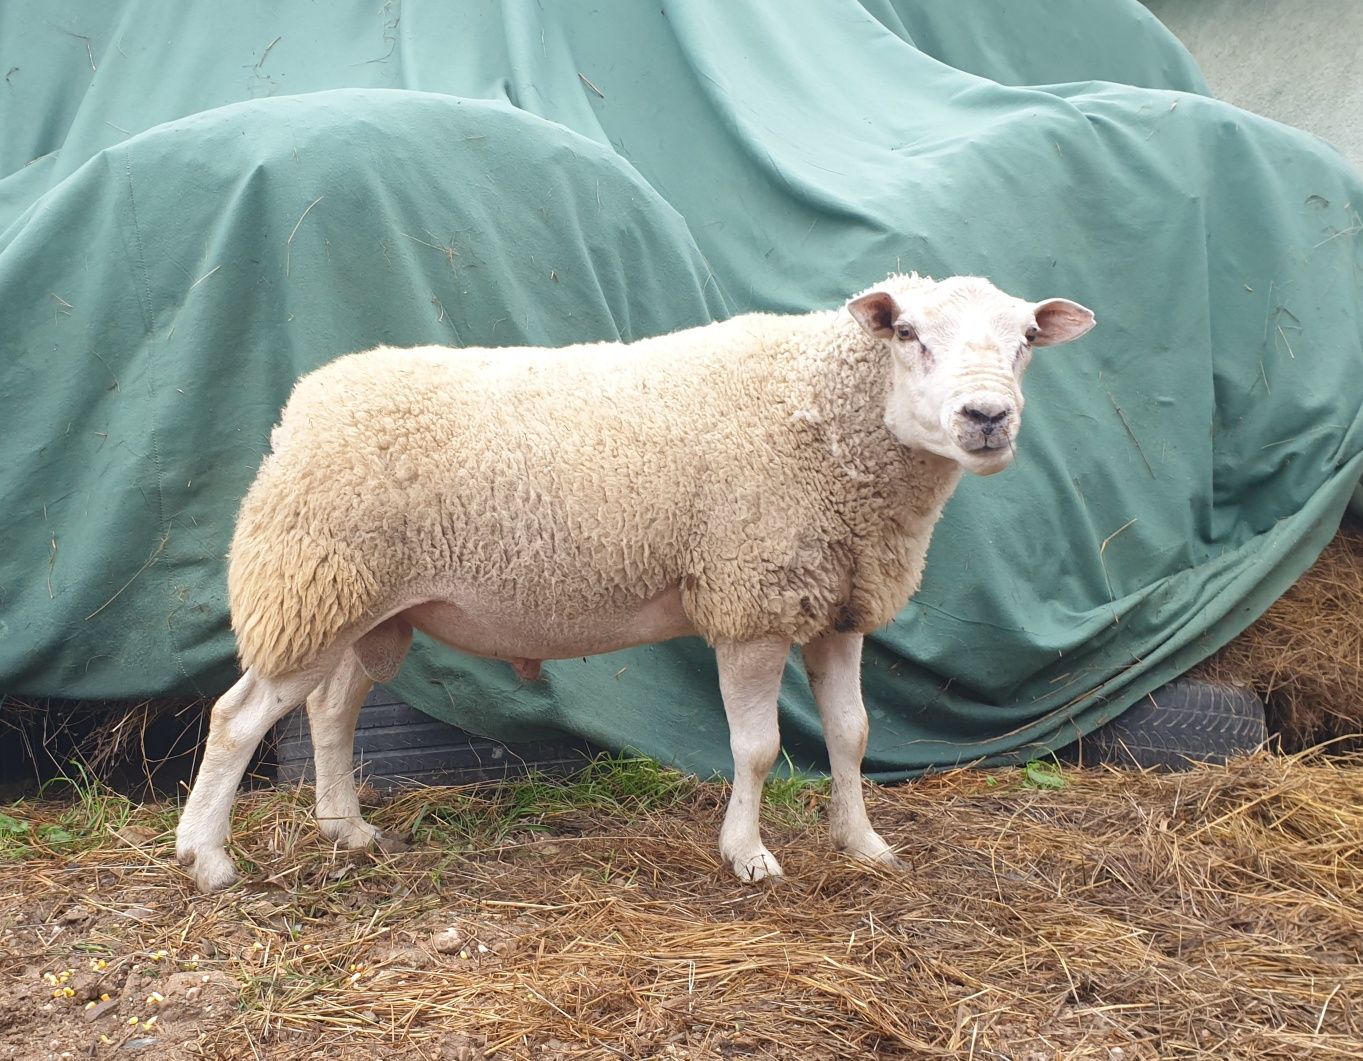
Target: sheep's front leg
(240, 720)
(333, 708)
(750, 679)
(833, 663)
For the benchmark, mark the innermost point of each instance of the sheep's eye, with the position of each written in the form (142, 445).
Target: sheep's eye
(905, 331)
(1032, 333)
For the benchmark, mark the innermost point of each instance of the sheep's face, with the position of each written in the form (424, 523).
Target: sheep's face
(958, 349)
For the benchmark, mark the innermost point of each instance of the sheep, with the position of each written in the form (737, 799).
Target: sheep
(765, 481)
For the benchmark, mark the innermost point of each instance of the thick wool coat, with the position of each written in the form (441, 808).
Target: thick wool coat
(744, 463)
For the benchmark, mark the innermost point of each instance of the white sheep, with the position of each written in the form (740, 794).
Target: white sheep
(762, 482)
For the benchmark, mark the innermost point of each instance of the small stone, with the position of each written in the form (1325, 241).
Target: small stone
(450, 941)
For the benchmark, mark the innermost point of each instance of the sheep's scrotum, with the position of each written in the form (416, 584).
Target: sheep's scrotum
(764, 481)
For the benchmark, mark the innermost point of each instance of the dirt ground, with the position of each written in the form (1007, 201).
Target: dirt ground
(1041, 915)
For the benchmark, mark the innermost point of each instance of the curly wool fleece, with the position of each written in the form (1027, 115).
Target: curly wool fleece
(745, 463)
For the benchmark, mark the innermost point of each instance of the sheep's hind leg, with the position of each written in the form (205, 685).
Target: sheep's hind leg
(750, 679)
(239, 722)
(332, 710)
(833, 663)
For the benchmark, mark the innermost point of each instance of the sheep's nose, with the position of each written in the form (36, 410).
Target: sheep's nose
(986, 415)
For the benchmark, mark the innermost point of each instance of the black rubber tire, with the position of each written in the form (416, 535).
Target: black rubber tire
(396, 746)
(1185, 722)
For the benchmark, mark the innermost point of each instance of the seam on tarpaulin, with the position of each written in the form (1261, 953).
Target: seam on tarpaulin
(149, 319)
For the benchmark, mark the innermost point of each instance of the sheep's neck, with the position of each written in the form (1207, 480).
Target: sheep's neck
(852, 387)
(881, 497)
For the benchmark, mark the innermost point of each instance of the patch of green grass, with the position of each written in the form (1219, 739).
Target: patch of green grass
(16, 835)
(90, 812)
(163, 817)
(794, 799)
(1040, 774)
(95, 810)
(622, 787)
(619, 786)
(458, 822)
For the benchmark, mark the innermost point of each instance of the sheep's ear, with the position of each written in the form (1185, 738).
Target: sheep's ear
(1059, 320)
(876, 313)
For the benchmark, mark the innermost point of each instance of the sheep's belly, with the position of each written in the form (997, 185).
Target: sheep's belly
(501, 632)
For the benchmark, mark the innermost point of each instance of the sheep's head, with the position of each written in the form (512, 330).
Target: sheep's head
(958, 349)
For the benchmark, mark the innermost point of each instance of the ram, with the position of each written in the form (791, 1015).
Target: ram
(763, 482)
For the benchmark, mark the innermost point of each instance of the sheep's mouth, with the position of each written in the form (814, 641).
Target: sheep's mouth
(987, 457)
(988, 444)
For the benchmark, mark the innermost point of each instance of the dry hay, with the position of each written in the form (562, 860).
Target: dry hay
(1216, 913)
(128, 740)
(1304, 656)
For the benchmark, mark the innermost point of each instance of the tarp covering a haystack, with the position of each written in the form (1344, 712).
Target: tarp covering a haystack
(197, 207)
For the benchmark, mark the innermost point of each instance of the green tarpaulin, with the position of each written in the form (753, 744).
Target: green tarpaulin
(199, 204)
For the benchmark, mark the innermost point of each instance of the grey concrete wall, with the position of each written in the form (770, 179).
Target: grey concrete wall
(1296, 61)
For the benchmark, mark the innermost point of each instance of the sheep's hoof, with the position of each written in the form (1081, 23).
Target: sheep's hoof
(755, 866)
(356, 834)
(871, 848)
(887, 858)
(211, 868)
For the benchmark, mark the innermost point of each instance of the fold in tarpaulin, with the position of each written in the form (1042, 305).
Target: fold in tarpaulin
(198, 206)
